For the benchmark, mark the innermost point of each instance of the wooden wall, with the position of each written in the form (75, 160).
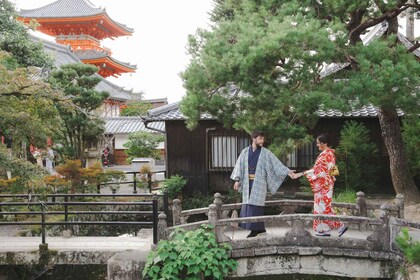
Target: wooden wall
(187, 154)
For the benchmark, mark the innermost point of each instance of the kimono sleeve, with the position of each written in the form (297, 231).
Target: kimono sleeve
(276, 172)
(323, 165)
(239, 169)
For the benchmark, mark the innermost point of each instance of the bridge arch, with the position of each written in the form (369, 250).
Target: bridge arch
(290, 247)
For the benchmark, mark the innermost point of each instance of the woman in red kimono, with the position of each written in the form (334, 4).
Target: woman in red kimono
(321, 179)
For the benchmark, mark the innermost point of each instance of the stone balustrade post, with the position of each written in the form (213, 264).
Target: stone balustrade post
(212, 215)
(176, 212)
(218, 202)
(382, 234)
(162, 225)
(399, 201)
(361, 204)
(218, 230)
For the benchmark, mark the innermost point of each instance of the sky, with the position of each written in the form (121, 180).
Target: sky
(158, 44)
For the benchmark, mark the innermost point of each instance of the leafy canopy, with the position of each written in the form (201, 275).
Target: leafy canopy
(262, 64)
(15, 39)
(143, 144)
(80, 126)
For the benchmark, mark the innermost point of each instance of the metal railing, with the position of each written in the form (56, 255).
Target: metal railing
(135, 182)
(150, 201)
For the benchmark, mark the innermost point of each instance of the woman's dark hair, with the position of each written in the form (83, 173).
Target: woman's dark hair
(257, 133)
(324, 138)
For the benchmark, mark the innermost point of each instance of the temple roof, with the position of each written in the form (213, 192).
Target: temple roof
(63, 55)
(108, 66)
(116, 125)
(63, 11)
(95, 54)
(171, 112)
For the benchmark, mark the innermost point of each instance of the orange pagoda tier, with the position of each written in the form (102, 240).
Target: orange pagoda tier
(82, 26)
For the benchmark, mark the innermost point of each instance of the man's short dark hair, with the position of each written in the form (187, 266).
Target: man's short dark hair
(257, 133)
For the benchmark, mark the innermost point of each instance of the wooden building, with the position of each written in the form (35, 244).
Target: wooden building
(206, 155)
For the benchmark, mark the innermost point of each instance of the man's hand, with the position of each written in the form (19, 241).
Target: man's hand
(292, 174)
(236, 185)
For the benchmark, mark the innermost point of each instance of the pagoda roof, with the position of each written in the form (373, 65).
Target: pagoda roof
(64, 55)
(114, 67)
(64, 12)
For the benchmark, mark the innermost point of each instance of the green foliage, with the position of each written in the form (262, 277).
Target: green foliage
(143, 144)
(114, 176)
(27, 111)
(196, 200)
(174, 185)
(200, 200)
(411, 129)
(345, 196)
(189, 255)
(81, 126)
(15, 39)
(263, 63)
(135, 108)
(357, 159)
(23, 171)
(410, 248)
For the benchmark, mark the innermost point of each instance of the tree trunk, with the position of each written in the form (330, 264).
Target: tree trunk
(398, 163)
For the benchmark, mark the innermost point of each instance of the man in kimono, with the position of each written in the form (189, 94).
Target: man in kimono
(256, 170)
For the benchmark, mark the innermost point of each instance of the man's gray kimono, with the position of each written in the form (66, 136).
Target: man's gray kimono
(269, 174)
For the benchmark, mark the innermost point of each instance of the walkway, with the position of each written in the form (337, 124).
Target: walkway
(141, 242)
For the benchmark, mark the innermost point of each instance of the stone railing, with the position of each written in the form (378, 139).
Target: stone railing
(381, 231)
(287, 206)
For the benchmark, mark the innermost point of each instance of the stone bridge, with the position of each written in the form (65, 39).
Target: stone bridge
(366, 250)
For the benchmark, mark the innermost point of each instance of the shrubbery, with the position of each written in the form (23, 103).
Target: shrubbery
(190, 255)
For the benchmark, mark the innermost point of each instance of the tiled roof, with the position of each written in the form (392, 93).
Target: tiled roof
(116, 125)
(408, 44)
(157, 100)
(90, 54)
(63, 55)
(367, 112)
(69, 9)
(64, 8)
(95, 54)
(377, 31)
(170, 112)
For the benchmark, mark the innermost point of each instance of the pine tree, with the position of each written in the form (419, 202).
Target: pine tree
(263, 64)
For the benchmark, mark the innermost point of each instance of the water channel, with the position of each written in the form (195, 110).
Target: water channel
(99, 272)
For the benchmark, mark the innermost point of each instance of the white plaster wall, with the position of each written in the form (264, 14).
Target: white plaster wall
(120, 139)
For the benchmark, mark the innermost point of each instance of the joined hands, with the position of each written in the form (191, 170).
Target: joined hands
(294, 175)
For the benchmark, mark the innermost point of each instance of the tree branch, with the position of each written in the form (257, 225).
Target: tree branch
(374, 21)
(414, 47)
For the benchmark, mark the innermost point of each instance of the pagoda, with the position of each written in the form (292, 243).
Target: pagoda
(82, 26)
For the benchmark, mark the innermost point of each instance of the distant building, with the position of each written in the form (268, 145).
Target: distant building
(80, 26)
(116, 135)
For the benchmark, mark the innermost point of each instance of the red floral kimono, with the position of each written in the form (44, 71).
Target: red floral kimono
(322, 184)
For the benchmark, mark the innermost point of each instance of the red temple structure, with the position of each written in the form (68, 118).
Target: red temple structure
(82, 26)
